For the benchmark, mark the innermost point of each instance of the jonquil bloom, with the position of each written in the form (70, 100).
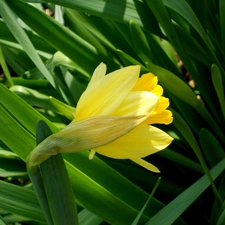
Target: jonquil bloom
(113, 118)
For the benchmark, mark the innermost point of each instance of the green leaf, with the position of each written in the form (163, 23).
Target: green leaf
(186, 132)
(52, 184)
(135, 222)
(189, 114)
(179, 158)
(124, 194)
(140, 43)
(10, 126)
(6, 174)
(59, 191)
(59, 14)
(186, 12)
(222, 23)
(128, 60)
(197, 51)
(221, 218)
(23, 39)
(7, 154)
(82, 25)
(66, 110)
(70, 44)
(217, 214)
(122, 11)
(22, 111)
(33, 97)
(7, 39)
(13, 218)
(214, 152)
(162, 15)
(5, 68)
(200, 9)
(2, 221)
(218, 85)
(25, 42)
(11, 165)
(174, 209)
(17, 59)
(36, 177)
(20, 201)
(88, 218)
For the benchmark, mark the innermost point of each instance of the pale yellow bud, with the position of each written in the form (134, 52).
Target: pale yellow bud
(82, 135)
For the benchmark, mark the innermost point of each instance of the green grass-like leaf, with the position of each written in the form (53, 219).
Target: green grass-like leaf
(175, 208)
(21, 201)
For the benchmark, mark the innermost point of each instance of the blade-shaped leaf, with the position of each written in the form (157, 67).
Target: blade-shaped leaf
(21, 201)
(174, 209)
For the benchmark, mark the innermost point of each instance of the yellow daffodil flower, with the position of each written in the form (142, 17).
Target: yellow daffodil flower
(113, 118)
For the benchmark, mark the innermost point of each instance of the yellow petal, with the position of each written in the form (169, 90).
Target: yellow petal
(157, 90)
(140, 142)
(145, 164)
(164, 117)
(137, 103)
(99, 73)
(162, 104)
(160, 115)
(105, 95)
(146, 82)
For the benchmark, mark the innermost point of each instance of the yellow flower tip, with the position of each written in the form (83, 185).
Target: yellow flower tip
(170, 120)
(91, 155)
(99, 73)
(164, 117)
(157, 90)
(147, 82)
(129, 72)
(145, 164)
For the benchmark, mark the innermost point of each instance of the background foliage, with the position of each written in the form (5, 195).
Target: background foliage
(182, 42)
